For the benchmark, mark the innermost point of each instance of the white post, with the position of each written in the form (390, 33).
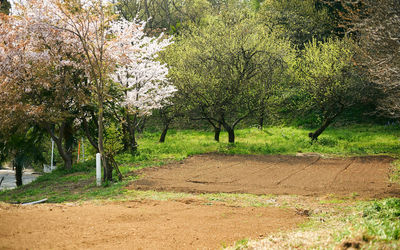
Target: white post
(98, 169)
(52, 154)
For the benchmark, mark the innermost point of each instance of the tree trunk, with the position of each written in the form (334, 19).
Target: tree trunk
(114, 165)
(65, 153)
(217, 132)
(261, 122)
(141, 125)
(318, 132)
(67, 158)
(164, 133)
(107, 169)
(229, 129)
(132, 137)
(68, 143)
(231, 134)
(125, 138)
(18, 171)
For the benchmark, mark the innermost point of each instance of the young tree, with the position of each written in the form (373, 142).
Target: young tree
(329, 79)
(143, 79)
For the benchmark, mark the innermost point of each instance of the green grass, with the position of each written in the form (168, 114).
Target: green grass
(79, 183)
(346, 141)
(381, 220)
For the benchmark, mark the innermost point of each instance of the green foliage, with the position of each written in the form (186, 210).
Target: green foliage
(22, 147)
(5, 7)
(382, 219)
(326, 74)
(298, 20)
(165, 14)
(113, 140)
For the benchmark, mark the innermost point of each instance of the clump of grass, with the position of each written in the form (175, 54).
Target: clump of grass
(381, 219)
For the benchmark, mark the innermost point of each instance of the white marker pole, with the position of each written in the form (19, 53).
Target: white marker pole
(52, 154)
(98, 169)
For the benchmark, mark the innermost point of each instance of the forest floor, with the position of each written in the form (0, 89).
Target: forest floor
(297, 201)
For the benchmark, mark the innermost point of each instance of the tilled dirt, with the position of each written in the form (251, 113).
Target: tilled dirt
(185, 224)
(195, 223)
(274, 174)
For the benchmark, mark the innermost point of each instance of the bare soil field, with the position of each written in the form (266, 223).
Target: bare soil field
(184, 224)
(366, 177)
(195, 223)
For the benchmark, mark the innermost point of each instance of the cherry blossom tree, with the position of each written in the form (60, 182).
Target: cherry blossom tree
(143, 79)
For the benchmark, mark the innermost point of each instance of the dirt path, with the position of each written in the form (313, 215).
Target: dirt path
(301, 175)
(186, 224)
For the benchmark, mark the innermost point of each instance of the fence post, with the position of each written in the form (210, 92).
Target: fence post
(98, 169)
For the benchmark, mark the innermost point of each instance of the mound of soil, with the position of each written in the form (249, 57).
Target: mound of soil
(274, 174)
(185, 224)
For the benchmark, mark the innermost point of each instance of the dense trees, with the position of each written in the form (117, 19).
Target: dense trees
(95, 68)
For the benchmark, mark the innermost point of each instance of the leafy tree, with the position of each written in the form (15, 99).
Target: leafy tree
(219, 69)
(112, 146)
(330, 80)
